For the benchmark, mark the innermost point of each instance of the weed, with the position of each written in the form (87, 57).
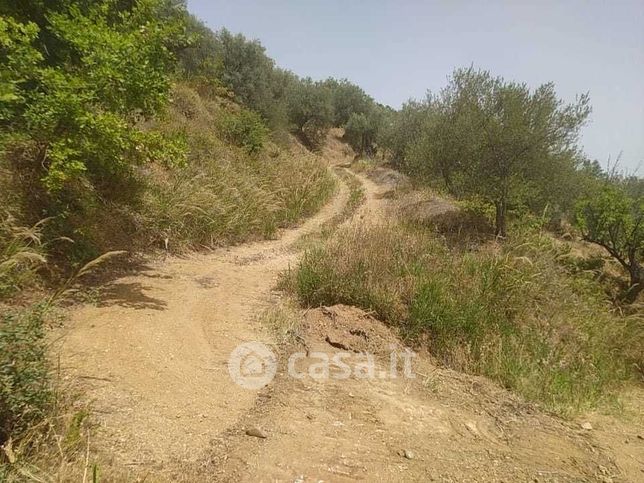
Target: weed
(24, 383)
(21, 253)
(33, 418)
(224, 195)
(284, 321)
(245, 129)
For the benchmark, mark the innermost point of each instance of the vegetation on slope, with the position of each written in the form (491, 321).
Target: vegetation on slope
(615, 221)
(109, 142)
(227, 194)
(514, 150)
(513, 312)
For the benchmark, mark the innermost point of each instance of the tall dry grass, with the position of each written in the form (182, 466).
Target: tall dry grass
(226, 194)
(21, 253)
(43, 430)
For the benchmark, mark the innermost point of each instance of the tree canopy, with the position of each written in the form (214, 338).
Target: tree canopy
(78, 76)
(492, 139)
(613, 218)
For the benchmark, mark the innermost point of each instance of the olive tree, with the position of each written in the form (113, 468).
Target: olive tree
(614, 220)
(499, 141)
(400, 131)
(347, 99)
(245, 68)
(310, 110)
(361, 131)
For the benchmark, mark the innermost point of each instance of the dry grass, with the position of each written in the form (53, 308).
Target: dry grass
(43, 431)
(225, 195)
(355, 200)
(21, 253)
(284, 320)
(59, 447)
(459, 224)
(511, 312)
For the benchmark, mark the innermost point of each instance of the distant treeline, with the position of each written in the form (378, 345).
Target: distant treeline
(285, 101)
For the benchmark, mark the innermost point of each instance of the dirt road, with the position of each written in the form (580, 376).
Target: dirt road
(154, 349)
(152, 355)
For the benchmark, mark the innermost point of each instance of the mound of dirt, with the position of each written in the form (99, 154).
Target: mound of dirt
(458, 227)
(424, 211)
(388, 178)
(349, 329)
(439, 425)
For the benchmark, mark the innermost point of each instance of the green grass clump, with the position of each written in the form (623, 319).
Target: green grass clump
(356, 195)
(511, 312)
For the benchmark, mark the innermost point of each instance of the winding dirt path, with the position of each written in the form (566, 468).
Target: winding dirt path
(152, 356)
(152, 352)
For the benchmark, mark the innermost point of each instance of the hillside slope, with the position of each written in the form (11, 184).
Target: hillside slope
(151, 354)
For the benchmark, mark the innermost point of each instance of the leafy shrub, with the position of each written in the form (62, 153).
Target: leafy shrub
(245, 129)
(614, 220)
(313, 134)
(361, 131)
(107, 67)
(24, 380)
(512, 312)
(79, 81)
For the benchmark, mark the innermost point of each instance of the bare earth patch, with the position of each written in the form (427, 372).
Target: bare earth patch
(439, 426)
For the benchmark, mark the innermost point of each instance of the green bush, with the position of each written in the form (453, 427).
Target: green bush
(79, 83)
(245, 129)
(614, 219)
(24, 378)
(77, 80)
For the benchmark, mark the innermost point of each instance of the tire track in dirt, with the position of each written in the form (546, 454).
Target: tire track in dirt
(440, 426)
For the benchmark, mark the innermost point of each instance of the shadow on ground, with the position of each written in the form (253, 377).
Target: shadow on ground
(130, 295)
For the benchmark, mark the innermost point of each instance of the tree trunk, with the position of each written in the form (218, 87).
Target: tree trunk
(501, 209)
(447, 177)
(636, 273)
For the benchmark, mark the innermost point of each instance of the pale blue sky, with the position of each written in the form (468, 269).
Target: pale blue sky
(398, 49)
